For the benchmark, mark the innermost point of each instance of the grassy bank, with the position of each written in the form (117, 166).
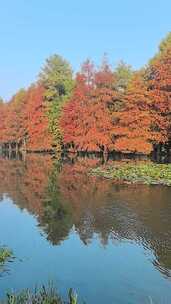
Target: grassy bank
(142, 173)
(43, 295)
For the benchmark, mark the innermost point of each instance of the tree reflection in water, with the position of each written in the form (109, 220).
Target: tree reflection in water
(64, 197)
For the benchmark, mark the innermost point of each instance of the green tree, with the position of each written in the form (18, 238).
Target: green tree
(123, 74)
(164, 47)
(1, 101)
(57, 78)
(165, 43)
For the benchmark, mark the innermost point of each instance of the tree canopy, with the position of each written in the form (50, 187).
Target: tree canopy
(100, 109)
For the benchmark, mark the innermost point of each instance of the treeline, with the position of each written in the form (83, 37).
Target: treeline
(100, 109)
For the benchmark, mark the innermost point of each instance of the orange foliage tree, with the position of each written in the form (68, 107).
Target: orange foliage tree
(159, 82)
(36, 121)
(137, 128)
(2, 120)
(108, 110)
(86, 120)
(24, 116)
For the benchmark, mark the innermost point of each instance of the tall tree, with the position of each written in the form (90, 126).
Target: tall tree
(57, 79)
(136, 129)
(14, 122)
(164, 46)
(36, 123)
(86, 121)
(159, 82)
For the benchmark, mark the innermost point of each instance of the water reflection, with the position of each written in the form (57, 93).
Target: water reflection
(62, 197)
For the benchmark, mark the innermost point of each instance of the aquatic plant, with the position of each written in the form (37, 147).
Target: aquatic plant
(43, 295)
(72, 297)
(5, 255)
(142, 173)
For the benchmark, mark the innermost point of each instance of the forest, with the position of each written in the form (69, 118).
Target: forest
(99, 109)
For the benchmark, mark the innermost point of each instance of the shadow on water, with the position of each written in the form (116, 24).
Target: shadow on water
(61, 195)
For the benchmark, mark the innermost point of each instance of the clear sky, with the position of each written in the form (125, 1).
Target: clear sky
(31, 30)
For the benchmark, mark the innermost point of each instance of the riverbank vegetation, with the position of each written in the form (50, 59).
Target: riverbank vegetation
(142, 173)
(43, 295)
(100, 109)
(5, 255)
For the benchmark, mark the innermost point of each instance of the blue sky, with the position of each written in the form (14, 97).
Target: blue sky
(31, 30)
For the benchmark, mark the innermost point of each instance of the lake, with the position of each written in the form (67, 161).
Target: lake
(110, 242)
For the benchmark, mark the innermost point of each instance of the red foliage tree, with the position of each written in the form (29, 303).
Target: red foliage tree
(3, 112)
(160, 90)
(107, 111)
(36, 121)
(86, 121)
(25, 116)
(137, 127)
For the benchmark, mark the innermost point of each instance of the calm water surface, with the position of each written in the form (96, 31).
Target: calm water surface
(112, 243)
